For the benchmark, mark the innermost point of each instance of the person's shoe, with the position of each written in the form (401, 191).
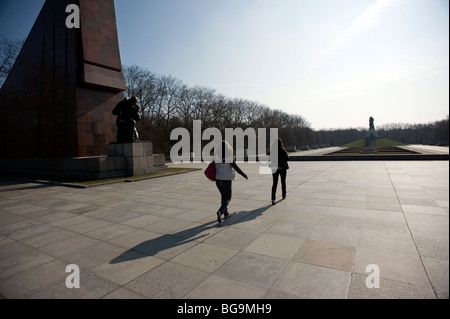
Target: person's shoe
(219, 217)
(226, 214)
(273, 202)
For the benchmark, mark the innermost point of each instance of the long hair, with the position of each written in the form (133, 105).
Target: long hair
(280, 144)
(277, 146)
(224, 153)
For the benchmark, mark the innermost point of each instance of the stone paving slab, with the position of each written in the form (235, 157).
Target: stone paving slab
(159, 238)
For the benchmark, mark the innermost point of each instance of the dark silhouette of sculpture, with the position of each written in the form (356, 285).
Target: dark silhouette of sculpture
(371, 122)
(371, 139)
(128, 113)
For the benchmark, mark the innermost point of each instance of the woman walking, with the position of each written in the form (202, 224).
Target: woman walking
(281, 169)
(224, 159)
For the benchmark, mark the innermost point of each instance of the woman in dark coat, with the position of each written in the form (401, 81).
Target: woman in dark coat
(281, 169)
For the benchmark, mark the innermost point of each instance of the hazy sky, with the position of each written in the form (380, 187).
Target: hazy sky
(335, 63)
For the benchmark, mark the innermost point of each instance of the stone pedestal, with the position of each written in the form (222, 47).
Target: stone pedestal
(291, 149)
(371, 139)
(123, 160)
(138, 157)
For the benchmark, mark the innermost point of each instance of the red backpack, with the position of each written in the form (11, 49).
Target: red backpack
(210, 171)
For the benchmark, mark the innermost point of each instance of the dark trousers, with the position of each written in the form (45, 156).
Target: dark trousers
(225, 192)
(279, 173)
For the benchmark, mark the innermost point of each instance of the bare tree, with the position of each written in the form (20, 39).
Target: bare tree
(187, 106)
(9, 50)
(204, 104)
(141, 83)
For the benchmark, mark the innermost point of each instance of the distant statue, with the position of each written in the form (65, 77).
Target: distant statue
(128, 113)
(371, 139)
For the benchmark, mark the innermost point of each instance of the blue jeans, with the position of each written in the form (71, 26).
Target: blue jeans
(225, 192)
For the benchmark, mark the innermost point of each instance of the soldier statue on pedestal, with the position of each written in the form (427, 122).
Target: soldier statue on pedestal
(128, 113)
(371, 139)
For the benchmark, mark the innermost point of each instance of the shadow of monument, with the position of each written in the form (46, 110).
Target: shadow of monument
(9, 185)
(166, 242)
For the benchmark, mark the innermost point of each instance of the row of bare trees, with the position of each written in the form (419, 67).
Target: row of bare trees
(168, 103)
(435, 133)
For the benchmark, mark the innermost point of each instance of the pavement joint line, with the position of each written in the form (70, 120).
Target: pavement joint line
(410, 232)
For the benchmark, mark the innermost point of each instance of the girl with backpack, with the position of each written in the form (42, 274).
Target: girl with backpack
(226, 167)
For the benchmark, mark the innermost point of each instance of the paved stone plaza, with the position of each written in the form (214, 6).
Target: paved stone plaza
(159, 238)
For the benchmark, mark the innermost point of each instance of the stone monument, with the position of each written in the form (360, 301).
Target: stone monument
(56, 104)
(371, 138)
(58, 97)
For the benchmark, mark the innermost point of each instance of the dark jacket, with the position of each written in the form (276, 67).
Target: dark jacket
(283, 158)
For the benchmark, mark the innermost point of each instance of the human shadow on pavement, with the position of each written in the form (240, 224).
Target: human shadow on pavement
(244, 216)
(170, 243)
